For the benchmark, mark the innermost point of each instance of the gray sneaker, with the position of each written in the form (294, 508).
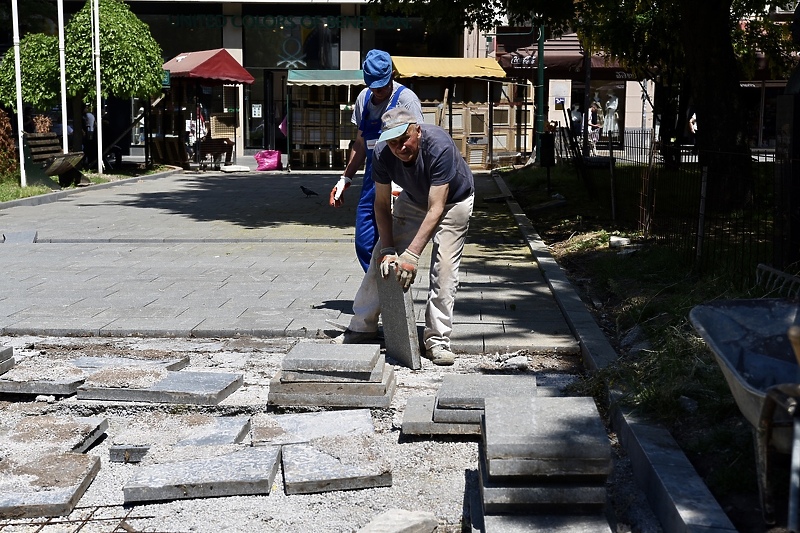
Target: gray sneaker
(356, 337)
(440, 355)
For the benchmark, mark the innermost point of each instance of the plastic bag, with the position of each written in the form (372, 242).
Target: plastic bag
(268, 160)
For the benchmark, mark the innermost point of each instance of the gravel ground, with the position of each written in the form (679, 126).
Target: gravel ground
(436, 475)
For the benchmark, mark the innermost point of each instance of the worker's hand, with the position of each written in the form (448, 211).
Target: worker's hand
(388, 260)
(336, 192)
(406, 268)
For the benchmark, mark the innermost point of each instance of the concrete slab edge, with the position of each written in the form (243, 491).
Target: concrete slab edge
(665, 494)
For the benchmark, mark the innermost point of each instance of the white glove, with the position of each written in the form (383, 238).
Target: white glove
(406, 268)
(341, 185)
(388, 258)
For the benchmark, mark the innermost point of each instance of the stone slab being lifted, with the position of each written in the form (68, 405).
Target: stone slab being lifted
(30, 490)
(312, 376)
(399, 323)
(298, 428)
(418, 420)
(334, 463)
(195, 388)
(364, 388)
(547, 436)
(245, 472)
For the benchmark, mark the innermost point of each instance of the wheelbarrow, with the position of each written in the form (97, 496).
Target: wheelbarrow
(756, 344)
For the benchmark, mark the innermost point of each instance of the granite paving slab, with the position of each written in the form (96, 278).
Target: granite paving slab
(30, 489)
(288, 376)
(364, 388)
(399, 323)
(334, 463)
(6, 365)
(19, 237)
(65, 387)
(509, 523)
(545, 436)
(345, 358)
(514, 494)
(402, 521)
(244, 472)
(468, 391)
(457, 416)
(337, 400)
(195, 388)
(221, 430)
(294, 428)
(51, 433)
(127, 453)
(90, 364)
(418, 420)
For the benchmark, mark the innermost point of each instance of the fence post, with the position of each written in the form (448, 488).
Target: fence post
(701, 219)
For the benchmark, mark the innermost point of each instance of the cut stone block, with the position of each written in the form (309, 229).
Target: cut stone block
(222, 430)
(418, 420)
(288, 376)
(457, 416)
(402, 521)
(127, 453)
(364, 388)
(6, 365)
(29, 490)
(334, 463)
(245, 472)
(89, 363)
(66, 387)
(508, 523)
(196, 388)
(545, 436)
(57, 433)
(468, 391)
(302, 427)
(399, 324)
(20, 237)
(345, 358)
(337, 400)
(514, 494)
(6, 353)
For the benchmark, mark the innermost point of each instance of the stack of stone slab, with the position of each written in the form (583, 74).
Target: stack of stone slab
(333, 375)
(542, 460)
(459, 403)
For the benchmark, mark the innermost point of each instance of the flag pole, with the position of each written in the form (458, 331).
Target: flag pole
(18, 71)
(62, 65)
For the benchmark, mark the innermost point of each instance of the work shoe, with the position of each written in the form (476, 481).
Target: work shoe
(440, 355)
(356, 337)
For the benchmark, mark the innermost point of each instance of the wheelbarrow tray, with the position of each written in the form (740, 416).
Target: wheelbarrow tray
(749, 342)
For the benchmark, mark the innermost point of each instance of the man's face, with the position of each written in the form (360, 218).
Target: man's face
(406, 147)
(382, 93)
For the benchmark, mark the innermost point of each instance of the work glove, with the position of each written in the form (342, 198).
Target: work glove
(406, 269)
(388, 260)
(338, 189)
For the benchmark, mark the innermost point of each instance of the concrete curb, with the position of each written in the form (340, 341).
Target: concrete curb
(676, 493)
(58, 195)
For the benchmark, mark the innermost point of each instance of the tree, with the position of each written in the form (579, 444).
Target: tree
(706, 47)
(39, 64)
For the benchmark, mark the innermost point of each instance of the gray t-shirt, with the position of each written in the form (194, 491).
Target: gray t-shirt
(438, 162)
(407, 99)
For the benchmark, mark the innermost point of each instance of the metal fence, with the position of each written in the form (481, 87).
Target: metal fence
(671, 194)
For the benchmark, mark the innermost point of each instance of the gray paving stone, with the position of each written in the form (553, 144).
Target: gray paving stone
(399, 323)
(6, 353)
(30, 500)
(337, 400)
(457, 416)
(97, 363)
(195, 388)
(244, 472)
(297, 428)
(547, 436)
(127, 453)
(222, 430)
(402, 521)
(345, 358)
(334, 463)
(468, 391)
(66, 387)
(6, 365)
(508, 523)
(288, 376)
(514, 494)
(364, 388)
(418, 420)
(19, 237)
(50, 433)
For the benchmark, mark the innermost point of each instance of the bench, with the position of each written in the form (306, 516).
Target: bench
(44, 158)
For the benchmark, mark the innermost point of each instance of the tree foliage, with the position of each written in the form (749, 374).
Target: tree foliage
(130, 60)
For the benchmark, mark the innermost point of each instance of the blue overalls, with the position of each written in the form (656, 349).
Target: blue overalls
(366, 228)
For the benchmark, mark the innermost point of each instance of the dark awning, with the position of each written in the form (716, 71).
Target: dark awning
(214, 66)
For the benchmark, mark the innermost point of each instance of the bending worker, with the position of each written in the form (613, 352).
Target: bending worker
(381, 94)
(436, 203)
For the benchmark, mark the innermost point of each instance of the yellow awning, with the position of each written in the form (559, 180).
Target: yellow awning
(447, 67)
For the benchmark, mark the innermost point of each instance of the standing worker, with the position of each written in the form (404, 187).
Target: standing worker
(381, 94)
(436, 204)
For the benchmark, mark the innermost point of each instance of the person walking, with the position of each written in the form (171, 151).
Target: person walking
(381, 94)
(435, 205)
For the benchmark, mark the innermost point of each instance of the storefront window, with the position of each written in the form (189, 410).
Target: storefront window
(176, 33)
